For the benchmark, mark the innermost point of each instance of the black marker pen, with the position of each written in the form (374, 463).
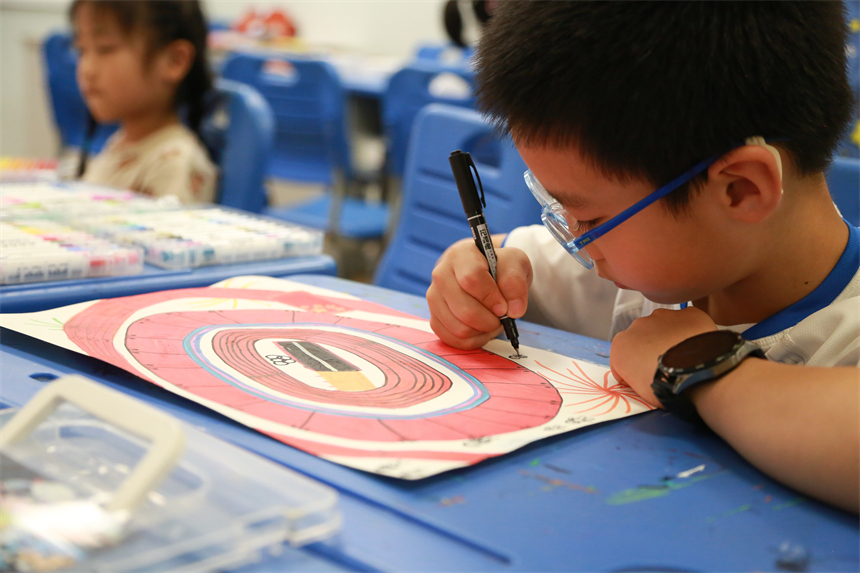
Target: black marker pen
(462, 166)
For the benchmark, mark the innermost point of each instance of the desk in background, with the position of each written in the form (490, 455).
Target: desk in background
(365, 75)
(647, 493)
(361, 74)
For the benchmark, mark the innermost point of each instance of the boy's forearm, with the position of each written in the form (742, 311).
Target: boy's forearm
(798, 424)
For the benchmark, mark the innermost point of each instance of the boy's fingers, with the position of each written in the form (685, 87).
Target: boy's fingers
(465, 302)
(469, 343)
(461, 314)
(514, 278)
(477, 282)
(461, 337)
(442, 320)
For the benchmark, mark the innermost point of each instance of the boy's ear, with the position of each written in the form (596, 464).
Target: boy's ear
(748, 181)
(177, 59)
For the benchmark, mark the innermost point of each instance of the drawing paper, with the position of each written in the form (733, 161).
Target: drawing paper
(349, 380)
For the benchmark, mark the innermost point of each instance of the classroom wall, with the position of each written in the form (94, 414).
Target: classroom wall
(376, 26)
(26, 127)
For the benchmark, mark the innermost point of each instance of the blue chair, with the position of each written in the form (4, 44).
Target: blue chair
(843, 180)
(311, 141)
(432, 216)
(308, 102)
(239, 131)
(70, 111)
(409, 90)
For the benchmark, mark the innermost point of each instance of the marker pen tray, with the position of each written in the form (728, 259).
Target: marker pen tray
(93, 480)
(65, 200)
(33, 250)
(199, 236)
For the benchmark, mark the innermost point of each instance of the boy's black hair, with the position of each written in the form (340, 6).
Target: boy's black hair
(162, 22)
(647, 90)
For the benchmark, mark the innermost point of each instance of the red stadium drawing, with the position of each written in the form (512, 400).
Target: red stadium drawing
(351, 381)
(322, 373)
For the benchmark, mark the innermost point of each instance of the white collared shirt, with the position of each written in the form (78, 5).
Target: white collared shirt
(567, 296)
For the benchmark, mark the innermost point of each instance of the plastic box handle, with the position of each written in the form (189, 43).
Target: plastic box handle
(164, 431)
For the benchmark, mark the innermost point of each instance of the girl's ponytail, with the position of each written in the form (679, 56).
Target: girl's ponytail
(198, 82)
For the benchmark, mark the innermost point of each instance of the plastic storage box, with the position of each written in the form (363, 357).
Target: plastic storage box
(94, 480)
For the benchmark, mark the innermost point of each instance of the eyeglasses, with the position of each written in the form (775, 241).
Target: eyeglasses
(555, 217)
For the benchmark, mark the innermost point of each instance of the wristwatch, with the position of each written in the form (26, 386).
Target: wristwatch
(698, 359)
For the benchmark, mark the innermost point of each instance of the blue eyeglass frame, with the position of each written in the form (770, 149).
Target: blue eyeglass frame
(553, 218)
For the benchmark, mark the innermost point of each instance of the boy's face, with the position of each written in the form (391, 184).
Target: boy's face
(669, 258)
(115, 76)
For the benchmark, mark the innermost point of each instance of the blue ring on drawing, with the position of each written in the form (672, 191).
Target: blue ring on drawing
(192, 346)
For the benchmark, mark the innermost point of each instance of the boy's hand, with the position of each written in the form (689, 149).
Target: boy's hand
(635, 351)
(465, 303)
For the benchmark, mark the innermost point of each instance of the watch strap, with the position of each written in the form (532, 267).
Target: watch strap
(680, 404)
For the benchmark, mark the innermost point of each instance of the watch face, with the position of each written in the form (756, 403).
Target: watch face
(700, 349)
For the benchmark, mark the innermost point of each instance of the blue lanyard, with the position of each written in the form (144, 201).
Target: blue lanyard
(821, 297)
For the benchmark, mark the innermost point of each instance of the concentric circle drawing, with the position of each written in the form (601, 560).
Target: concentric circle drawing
(345, 379)
(334, 369)
(323, 373)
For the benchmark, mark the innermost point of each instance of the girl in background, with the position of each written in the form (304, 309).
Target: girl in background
(139, 63)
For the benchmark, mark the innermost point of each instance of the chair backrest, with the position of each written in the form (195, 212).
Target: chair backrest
(853, 44)
(308, 103)
(70, 111)
(843, 180)
(849, 146)
(239, 131)
(420, 83)
(431, 216)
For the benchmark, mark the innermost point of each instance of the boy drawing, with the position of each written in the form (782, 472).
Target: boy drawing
(679, 150)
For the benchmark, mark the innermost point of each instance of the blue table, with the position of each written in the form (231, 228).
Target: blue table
(31, 297)
(613, 497)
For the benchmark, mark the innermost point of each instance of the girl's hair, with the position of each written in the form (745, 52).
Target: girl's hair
(453, 19)
(162, 22)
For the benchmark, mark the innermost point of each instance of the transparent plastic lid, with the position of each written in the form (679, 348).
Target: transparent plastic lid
(63, 200)
(79, 492)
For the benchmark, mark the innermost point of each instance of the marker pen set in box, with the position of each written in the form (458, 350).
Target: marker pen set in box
(55, 231)
(205, 236)
(41, 250)
(69, 200)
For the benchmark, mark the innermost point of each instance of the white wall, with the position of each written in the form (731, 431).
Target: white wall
(390, 27)
(26, 126)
